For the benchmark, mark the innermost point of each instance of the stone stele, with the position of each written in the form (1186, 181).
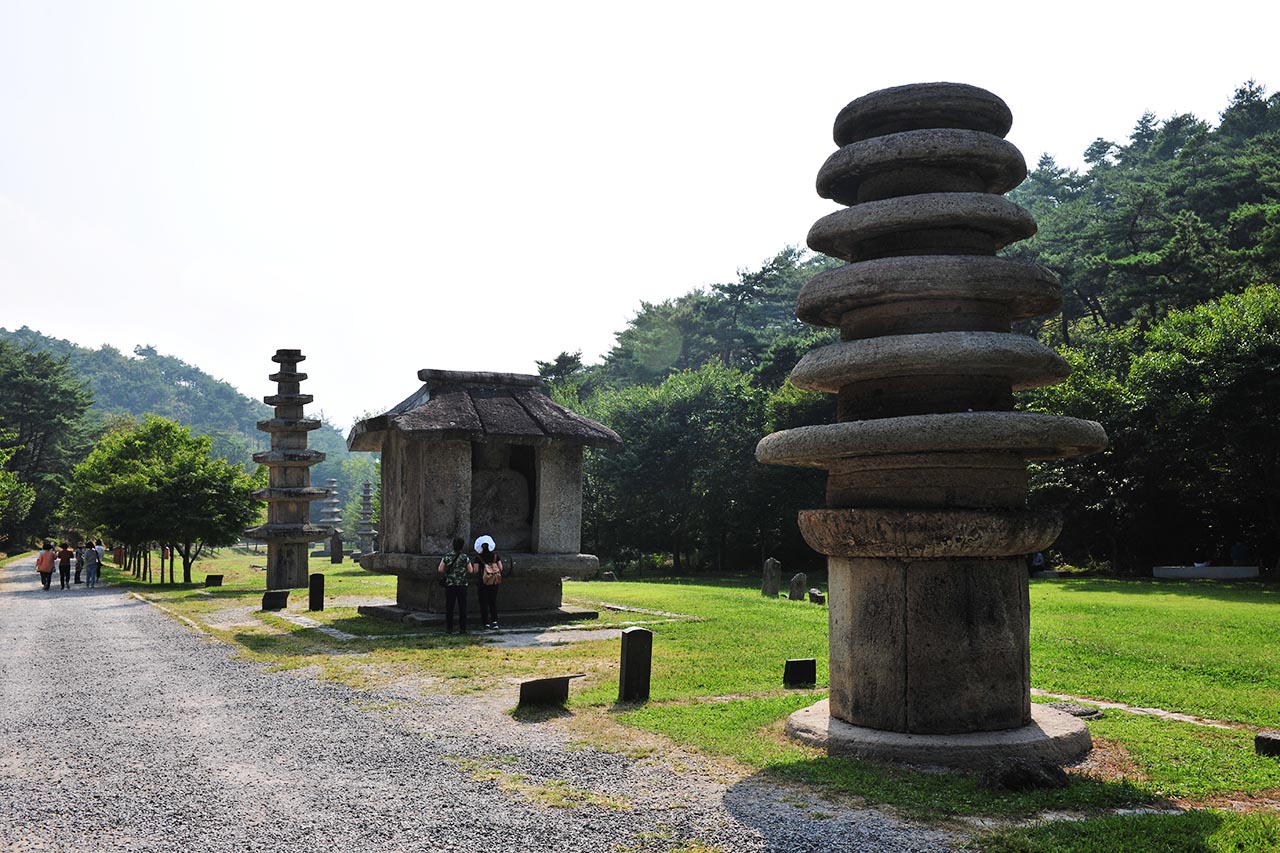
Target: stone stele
(470, 454)
(926, 521)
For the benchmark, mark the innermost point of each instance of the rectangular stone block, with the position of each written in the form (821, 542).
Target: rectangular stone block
(637, 662)
(800, 672)
(545, 691)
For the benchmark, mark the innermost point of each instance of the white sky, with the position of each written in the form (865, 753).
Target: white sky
(392, 186)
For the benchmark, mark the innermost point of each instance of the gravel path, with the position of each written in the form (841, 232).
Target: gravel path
(123, 730)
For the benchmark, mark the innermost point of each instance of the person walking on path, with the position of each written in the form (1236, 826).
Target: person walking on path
(455, 570)
(92, 563)
(44, 565)
(488, 568)
(65, 555)
(79, 561)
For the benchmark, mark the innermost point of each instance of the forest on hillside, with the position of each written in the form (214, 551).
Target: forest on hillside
(1167, 245)
(57, 399)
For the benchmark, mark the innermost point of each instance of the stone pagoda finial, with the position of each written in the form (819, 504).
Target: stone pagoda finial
(365, 529)
(289, 495)
(926, 524)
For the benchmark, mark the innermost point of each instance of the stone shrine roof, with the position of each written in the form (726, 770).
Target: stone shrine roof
(476, 406)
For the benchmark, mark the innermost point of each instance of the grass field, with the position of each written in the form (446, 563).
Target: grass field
(1200, 648)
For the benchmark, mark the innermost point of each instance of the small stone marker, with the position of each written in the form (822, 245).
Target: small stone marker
(816, 596)
(546, 691)
(1075, 709)
(800, 672)
(335, 548)
(1267, 743)
(213, 580)
(608, 576)
(772, 578)
(315, 592)
(637, 662)
(275, 599)
(799, 582)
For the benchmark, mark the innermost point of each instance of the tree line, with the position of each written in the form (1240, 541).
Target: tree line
(1168, 248)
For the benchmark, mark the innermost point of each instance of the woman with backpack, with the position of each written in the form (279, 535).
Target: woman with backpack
(488, 566)
(454, 570)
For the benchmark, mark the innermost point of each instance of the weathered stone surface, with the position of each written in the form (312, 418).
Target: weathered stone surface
(910, 288)
(275, 599)
(978, 224)
(772, 583)
(1020, 362)
(923, 534)
(917, 106)
(1030, 434)
(1052, 736)
(799, 582)
(925, 158)
(557, 520)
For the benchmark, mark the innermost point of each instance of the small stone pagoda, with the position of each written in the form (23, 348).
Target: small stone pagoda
(471, 454)
(289, 494)
(365, 529)
(926, 524)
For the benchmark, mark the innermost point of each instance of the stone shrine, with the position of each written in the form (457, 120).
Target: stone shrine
(926, 524)
(470, 454)
(289, 494)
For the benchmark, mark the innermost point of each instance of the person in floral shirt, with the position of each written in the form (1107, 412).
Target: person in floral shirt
(456, 570)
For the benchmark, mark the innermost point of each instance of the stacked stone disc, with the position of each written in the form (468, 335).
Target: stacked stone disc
(926, 525)
(288, 528)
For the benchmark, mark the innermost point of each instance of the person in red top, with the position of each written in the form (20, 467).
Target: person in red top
(65, 555)
(44, 564)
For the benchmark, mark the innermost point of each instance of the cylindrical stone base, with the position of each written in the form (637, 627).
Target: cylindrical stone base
(930, 646)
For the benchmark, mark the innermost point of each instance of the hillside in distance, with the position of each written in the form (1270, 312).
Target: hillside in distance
(148, 382)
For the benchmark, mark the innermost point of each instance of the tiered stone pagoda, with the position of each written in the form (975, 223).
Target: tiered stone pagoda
(926, 524)
(288, 529)
(365, 529)
(330, 518)
(470, 454)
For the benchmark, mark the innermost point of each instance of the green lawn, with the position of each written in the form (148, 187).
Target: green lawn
(1198, 648)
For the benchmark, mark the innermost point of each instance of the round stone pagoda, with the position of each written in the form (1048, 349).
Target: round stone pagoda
(288, 529)
(926, 524)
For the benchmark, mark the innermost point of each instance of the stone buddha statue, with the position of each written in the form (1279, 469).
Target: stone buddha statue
(499, 498)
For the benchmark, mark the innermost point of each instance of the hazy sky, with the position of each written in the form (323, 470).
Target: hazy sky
(392, 186)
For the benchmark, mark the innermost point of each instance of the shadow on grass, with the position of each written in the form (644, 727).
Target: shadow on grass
(1189, 832)
(940, 796)
(1217, 590)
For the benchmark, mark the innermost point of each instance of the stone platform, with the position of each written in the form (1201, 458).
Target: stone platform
(508, 619)
(1052, 735)
(1199, 572)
